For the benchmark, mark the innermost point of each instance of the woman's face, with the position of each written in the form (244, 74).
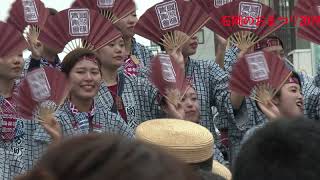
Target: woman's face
(290, 102)
(11, 67)
(190, 47)
(84, 79)
(127, 24)
(190, 104)
(113, 54)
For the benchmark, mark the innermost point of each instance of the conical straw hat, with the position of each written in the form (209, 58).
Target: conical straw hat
(185, 140)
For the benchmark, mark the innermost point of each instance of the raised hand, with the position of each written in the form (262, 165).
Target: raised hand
(270, 110)
(173, 110)
(53, 128)
(36, 49)
(245, 51)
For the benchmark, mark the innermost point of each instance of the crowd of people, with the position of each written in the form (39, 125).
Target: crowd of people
(110, 109)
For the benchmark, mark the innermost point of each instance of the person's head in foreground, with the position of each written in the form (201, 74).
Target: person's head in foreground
(188, 141)
(98, 157)
(284, 149)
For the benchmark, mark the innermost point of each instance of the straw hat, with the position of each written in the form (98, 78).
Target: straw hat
(185, 140)
(221, 170)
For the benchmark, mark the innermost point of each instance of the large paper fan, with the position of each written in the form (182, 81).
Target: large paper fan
(309, 33)
(245, 22)
(40, 93)
(310, 9)
(11, 40)
(171, 23)
(78, 28)
(113, 10)
(302, 8)
(259, 75)
(29, 17)
(210, 6)
(168, 77)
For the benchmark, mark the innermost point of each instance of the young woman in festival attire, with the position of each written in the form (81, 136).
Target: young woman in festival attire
(31, 24)
(189, 110)
(12, 43)
(132, 97)
(272, 88)
(249, 113)
(122, 13)
(287, 103)
(79, 114)
(122, 92)
(74, 113)
(208, 79)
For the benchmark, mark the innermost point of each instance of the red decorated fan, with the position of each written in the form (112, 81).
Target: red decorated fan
(11, 40)
(259, 75)
(168, 77)
(113, 10)
(245, 22)
(77, 29)
(302, 7)
(309, 24)
(171, 23)
(210, 6)
(29, 17)
(40, 93)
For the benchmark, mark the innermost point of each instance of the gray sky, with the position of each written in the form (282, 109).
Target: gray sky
(142, 6)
